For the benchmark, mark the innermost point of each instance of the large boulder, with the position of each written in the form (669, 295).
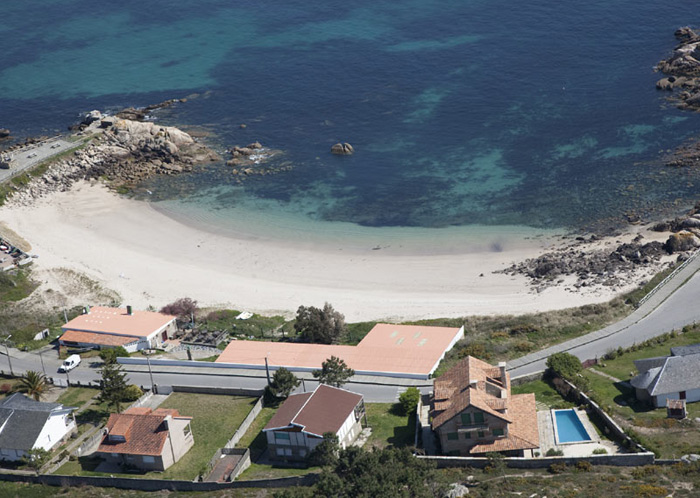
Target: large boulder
(4, 133)
(681, 242)
(344, 149)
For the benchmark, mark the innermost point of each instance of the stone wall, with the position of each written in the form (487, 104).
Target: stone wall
(624, 460)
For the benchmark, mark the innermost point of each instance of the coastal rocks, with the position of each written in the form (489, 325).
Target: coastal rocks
(140, 114)
(124, 154)
(682, 70)
(254, 159)
(344, 149)
(595, 267)
(91, 117)
(681, 242)
(4, 133)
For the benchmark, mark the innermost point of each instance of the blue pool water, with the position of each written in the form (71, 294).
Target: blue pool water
(569, 427)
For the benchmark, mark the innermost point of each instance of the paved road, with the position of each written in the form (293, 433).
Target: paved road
(32, 155)
(666, 310)
(88, 371)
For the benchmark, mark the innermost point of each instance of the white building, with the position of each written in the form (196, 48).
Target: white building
(675, 377)
(104, 327)
(26, 424)
(302, 420)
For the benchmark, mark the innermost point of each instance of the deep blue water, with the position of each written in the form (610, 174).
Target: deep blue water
(569, 427)
(461, 112)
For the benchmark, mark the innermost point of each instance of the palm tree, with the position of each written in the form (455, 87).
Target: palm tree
(34, 384)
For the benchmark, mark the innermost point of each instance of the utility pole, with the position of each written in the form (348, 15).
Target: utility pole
(41, 357)
(150, 373)
(267, 370)
(9, 360)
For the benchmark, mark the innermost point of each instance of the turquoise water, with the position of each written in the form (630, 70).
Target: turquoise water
(569, 427)
(540, 114)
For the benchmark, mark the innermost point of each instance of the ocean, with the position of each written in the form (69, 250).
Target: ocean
(520, 117)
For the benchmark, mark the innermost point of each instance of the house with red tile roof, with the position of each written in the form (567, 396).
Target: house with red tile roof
(104, 327)
(302, 420)
(473, 412)
(146, 439)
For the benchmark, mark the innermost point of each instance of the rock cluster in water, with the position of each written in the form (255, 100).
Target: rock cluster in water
(344, 149)
(252, 160)
(682, 70)
(124, 152)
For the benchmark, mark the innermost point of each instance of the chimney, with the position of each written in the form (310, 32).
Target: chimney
(502, 368)
(473, 383)
(129, 311)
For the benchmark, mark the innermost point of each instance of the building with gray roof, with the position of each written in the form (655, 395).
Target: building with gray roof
(26, 424)
(669, 377)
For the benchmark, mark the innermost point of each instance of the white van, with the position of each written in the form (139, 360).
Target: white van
(70, 363)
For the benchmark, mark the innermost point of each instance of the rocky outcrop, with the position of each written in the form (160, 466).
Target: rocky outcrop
(590, 268)
(344, 149)
(124, 153)
(4, 133)
(681, 242)
(140, 114)
(254, 160)
(682, 70)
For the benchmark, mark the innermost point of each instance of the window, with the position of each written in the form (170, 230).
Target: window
(280, 451)
(284, 436)
(148, 459)
(480, 434)
(681, 395)
(467, 435)
(479, 418)
(497, 432)
(187, 430)
(288, 452)
(452, 436)
(466, 419)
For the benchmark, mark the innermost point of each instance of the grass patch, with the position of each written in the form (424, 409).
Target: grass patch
(257, 326)
(77, 396)
(258, 471)
(544, 393)
(254, 438)
(16, 285)
(390, 428)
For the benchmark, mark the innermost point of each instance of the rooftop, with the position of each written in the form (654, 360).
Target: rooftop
(316, 413)
(22, 420)
(105, 320)
(675, 374)
(387, 348)
(94, 338)
(141, 431)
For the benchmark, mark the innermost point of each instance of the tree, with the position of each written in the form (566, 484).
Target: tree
(184, 308)
(33, 384)
(334, 372)
(110, 355)
(321, 326)
(565, 365)
(113, 388)
(283, 383)
(389, 472)
(409, 400)
(326, 453)
(36, 458)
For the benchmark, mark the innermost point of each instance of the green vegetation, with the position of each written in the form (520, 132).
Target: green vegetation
(257, 326)
(564, 365)
(254, 438)
(634, 297)
(110, 355)
(409, 399)
(77, 396)
(502, 338)
(334, 372)
(33, 384)
(283, 383)
(320, 326)
(390, 427)
(113, 386)
(16, 285)
(544, 393)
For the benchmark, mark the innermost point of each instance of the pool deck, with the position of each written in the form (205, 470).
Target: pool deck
(545, 425)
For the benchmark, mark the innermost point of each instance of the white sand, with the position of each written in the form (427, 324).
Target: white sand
(151, 259)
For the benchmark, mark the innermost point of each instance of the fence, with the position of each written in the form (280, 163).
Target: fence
(667, 279)
(247, 422)
(230, 391)
(158, 484)
(624, 460)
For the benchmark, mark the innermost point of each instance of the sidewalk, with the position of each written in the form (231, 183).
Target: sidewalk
(655, 298)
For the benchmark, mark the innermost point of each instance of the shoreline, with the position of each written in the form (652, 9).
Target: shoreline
(151, 259)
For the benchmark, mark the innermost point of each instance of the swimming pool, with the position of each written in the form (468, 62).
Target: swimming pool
(569, 428)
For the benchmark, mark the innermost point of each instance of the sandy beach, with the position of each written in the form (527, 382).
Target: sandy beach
(151, 259)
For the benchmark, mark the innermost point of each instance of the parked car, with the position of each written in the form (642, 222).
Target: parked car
(70, 363)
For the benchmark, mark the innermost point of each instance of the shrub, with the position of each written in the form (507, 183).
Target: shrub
(5, 388)
(650, 490)
(557, 468)
(132, 393)
(409, 399)
(184, 308)
(553, 452)
(564, 365)
(600, 451)
(110, 355)
(584, 466)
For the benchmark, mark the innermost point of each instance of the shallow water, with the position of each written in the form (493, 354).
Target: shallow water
(539, 114)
